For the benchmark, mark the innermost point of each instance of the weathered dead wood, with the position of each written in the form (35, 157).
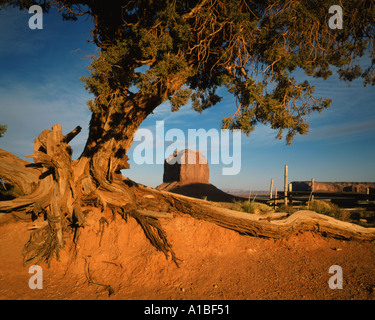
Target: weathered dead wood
(70, 136)
(18, 172)
(255, 225)
(154, 214)
(56, 195)
(65, 185)
(299, 221)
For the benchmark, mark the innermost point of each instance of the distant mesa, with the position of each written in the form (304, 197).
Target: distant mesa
(187, 172)
(186, 166)
(359, 187)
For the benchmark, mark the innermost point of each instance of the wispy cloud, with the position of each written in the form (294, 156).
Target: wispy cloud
(330, 131)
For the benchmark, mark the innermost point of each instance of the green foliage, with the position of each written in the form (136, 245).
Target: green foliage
(326, 208)
(288, 209)
(250, 206)
(3, 129)
(191, 50)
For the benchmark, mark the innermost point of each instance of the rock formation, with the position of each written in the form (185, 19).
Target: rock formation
(360, 187)
(186, 172)
(186, 166)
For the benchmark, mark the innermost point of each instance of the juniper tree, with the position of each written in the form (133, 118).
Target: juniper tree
(180, 51)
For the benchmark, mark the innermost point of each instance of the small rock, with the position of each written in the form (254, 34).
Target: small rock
(337, 249)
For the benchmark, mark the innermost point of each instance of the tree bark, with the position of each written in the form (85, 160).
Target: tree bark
(111, 136)
(18, 172)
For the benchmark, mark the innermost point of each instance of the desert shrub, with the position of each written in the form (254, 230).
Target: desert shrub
(326, 208)
(250, 206)
(287, 209)
(320, 206)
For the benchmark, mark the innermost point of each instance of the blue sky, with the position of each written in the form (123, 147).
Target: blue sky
(40, 86)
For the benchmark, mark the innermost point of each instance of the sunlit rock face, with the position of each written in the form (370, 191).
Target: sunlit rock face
(186, 166)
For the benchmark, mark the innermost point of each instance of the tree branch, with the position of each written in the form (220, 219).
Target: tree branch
(71, 135)
(18, 172)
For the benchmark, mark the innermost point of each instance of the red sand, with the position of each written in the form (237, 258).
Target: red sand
(216, 264)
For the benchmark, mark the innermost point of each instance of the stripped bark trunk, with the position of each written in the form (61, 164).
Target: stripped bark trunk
(18, 172)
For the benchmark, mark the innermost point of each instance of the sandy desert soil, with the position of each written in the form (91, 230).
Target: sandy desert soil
(216, 263)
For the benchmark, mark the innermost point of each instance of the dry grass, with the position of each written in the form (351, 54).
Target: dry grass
(287, 209)
(246, 206)
(327, 208)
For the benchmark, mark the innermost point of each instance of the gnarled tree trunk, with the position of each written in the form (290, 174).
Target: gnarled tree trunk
(57, 189)
(18, 172)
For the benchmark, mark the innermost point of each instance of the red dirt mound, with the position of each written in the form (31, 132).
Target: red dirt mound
(216, 263)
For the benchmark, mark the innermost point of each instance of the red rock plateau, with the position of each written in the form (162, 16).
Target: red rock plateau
(360, 187)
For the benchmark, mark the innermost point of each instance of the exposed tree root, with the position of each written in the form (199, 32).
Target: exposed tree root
(18, 172)
(42, 246)
(60, 188)
(282, 226)
(156, 235)
(91, 281)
